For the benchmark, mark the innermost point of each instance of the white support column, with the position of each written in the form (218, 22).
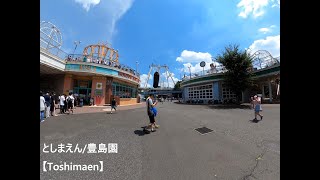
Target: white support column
(270, 91)
(167, 73)
(148, 77)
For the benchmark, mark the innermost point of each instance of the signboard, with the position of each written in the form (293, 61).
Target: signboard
(128, 76)
(83, 84)
(203, 64)
(99, 86)
(98, 92)
(87, 68)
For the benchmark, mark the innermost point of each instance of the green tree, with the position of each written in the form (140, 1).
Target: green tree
(177, 86)
(238, 64)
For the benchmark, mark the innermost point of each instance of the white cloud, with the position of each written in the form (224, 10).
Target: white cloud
(194, 68)
(86, 4)
(117, 9)
(164, 81)
(193, 57)
(264, 30)
(256, 7)
(114, 10)
(270, 44)
(267, 29)
(276, 4)
(143, 80)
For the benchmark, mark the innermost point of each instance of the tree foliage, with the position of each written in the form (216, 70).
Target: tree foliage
(177, 86)
(238, 64)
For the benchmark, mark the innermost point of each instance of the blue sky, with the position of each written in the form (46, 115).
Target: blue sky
(176, 33)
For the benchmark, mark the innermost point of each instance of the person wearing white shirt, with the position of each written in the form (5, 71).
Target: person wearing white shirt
(70, 102)
(62, 99)
(42, 107)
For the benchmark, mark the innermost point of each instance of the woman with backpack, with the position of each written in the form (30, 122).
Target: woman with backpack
(70, 102)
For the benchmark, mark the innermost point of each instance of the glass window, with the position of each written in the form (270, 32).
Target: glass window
(89, 84)
(75, 83)
(124, 91)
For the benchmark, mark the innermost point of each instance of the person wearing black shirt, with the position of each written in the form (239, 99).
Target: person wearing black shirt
(113, 105)
(52, 106)
(47, 98)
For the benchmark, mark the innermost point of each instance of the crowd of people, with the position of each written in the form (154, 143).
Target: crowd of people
(49, 102)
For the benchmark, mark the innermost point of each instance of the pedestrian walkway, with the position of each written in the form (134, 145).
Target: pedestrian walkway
(95, 109)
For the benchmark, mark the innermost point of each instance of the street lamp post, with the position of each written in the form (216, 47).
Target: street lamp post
(137, 67)
(76, 43)
(190, 71)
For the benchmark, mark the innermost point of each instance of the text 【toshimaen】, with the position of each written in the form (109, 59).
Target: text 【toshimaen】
(50, 166)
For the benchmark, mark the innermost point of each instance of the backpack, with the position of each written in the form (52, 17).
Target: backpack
(151, 110)
(69, 100)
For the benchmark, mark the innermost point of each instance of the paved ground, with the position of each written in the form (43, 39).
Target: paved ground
(236, 149)
(95, 109)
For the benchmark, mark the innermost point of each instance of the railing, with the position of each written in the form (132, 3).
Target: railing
(217, 69)
(56, 51)
(257, 65)
(264, 63)
(99, 60)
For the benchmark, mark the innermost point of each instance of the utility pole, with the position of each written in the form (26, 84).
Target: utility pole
(190, 71)
(137, 66)
(76, 43)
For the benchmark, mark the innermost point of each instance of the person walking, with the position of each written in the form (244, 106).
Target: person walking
(61, 99)
(151, 113)
(70, 102)
(52, 106)
(42, 107)
(113, 105)
(257, 107)
(48, 104)
(65, 107)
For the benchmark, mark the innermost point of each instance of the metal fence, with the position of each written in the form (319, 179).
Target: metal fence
(56, 51)
(257, 64)
(52, 49)
(95, 59)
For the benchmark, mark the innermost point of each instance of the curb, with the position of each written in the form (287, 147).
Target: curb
(109, 105)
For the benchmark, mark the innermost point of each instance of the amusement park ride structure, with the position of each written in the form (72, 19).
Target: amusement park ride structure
(101, 52)
(50, 36)
(158, 68)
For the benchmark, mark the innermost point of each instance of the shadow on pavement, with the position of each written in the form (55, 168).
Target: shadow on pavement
(230, 106)
(253, 121)
(221, 106)
(141, 132)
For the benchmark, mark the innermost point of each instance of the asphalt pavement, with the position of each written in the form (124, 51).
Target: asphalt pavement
(237, 148)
